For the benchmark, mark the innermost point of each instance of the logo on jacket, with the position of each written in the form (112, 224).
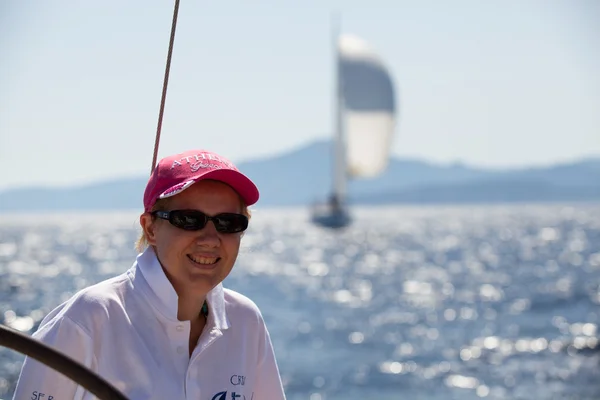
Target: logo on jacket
(234, 396)
(237, 380)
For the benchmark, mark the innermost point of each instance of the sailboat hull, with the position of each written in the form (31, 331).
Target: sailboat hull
(330, 218)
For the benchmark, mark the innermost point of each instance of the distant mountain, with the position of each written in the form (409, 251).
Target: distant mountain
(488, 191)
(303, 176)
(117, 194)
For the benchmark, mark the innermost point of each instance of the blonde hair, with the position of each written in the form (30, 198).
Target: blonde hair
(142, 241)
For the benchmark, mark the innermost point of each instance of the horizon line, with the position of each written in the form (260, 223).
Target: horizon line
(286, 152)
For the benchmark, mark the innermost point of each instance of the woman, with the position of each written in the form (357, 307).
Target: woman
(166, 328)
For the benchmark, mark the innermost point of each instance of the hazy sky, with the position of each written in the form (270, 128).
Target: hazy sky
(488, 83)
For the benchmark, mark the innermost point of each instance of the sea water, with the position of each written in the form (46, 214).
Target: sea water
(436, 302)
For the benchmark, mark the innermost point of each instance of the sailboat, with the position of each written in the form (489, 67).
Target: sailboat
(365, 120)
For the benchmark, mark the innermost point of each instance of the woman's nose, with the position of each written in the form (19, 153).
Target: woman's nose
(208, 235)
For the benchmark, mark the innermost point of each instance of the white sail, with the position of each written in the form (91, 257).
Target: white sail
(364, 122)
(369, 109)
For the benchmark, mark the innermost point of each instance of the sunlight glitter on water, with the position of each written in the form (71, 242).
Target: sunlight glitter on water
(435, 302)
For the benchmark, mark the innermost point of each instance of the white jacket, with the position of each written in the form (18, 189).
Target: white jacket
(126, 330)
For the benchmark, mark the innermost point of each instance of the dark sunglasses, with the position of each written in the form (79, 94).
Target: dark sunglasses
(193, 220)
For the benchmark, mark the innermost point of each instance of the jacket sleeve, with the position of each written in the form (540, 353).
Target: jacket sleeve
(40, 382)
(268, 381)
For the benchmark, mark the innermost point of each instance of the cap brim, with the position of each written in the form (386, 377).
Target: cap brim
(238, 182)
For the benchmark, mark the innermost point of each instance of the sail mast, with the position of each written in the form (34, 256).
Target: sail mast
(339, 173)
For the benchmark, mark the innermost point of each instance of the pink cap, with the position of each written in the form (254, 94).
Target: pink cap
(176, 173)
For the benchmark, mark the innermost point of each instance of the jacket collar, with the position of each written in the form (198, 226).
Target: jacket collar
(163, 294)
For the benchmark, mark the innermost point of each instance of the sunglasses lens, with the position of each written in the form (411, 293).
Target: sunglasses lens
(188, 220)
(230, 223)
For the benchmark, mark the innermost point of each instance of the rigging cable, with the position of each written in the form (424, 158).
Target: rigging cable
(165, 83)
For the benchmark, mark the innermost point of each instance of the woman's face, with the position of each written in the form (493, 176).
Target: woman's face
(196, 261)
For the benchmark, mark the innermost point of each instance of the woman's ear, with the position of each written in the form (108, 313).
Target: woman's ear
(149, 228)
